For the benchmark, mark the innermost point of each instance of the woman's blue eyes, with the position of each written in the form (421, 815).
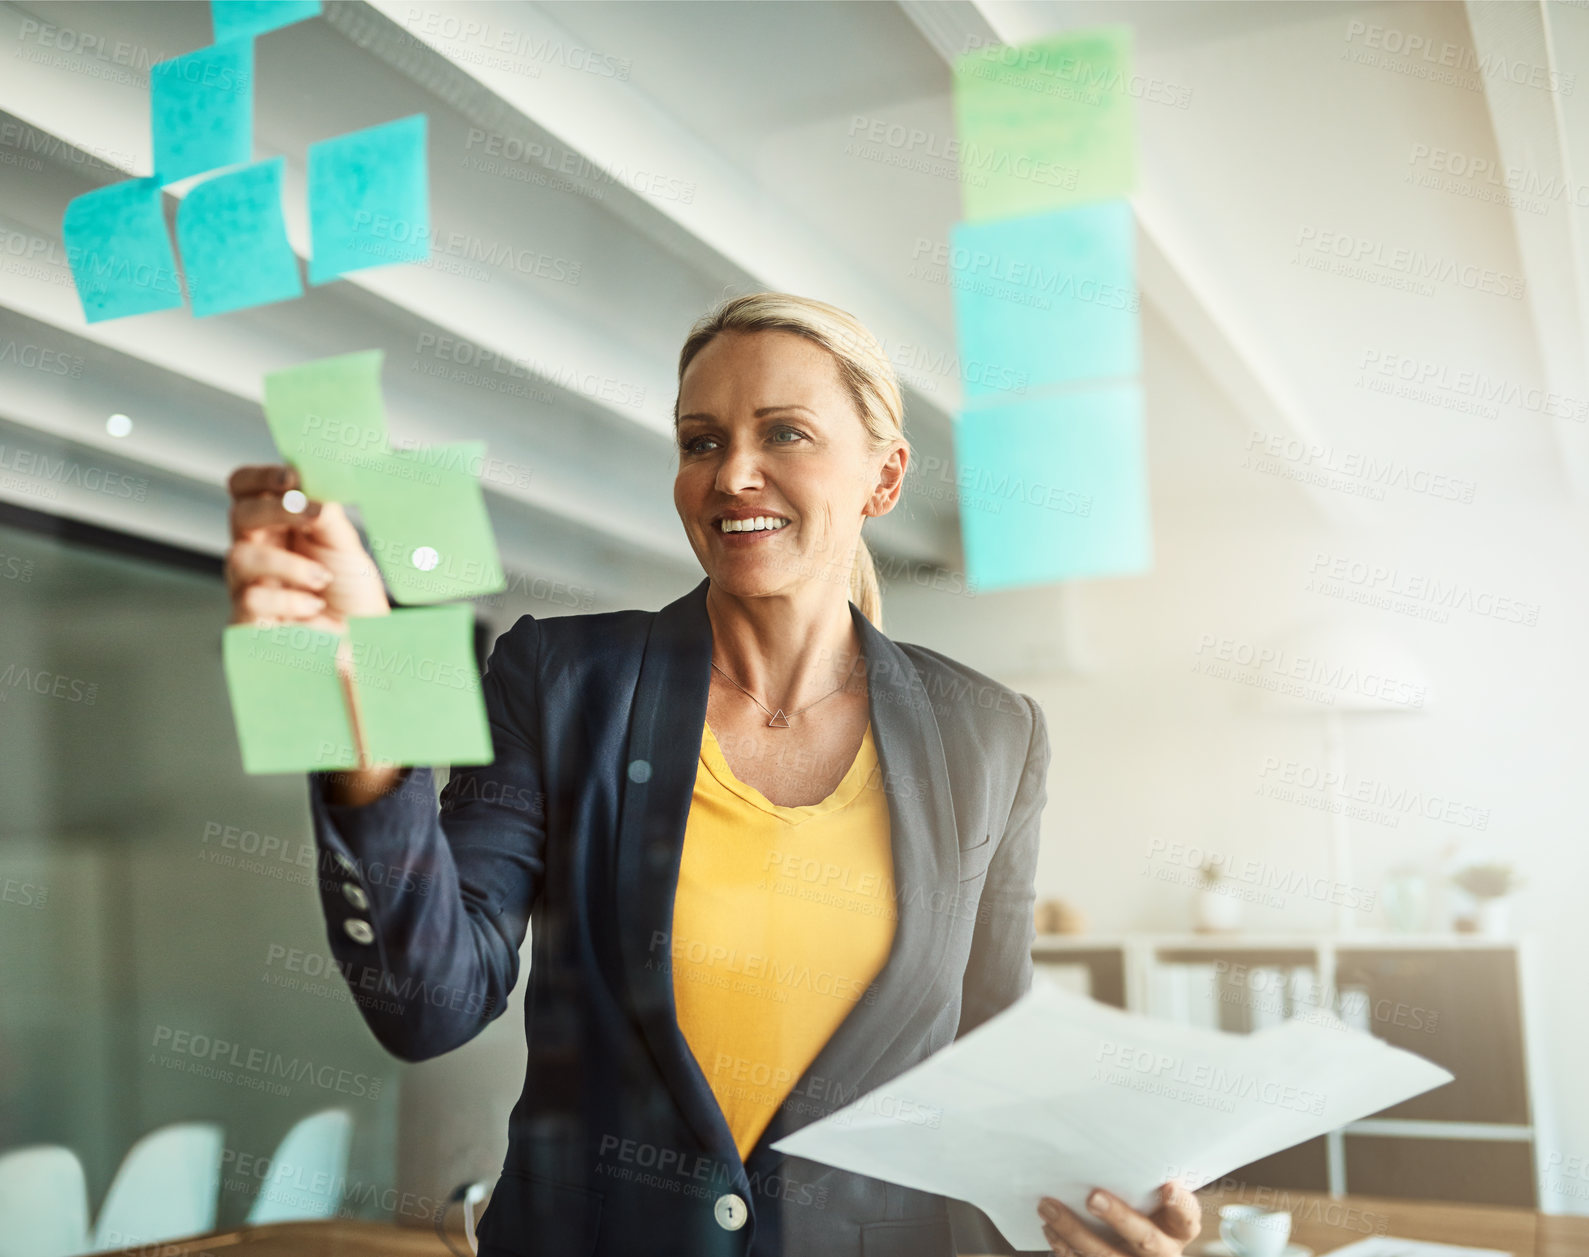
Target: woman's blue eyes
(694, 444)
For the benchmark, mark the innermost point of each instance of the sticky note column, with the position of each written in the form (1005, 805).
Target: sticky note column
(1049, 446)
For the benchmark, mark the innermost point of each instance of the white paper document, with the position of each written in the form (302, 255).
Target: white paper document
(1390, 1246)
(1059, 1094)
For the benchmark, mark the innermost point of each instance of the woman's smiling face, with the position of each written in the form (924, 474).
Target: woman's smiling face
(776, 468)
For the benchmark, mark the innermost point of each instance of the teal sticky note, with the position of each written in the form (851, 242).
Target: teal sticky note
(287, 700)
(326, 417)
(417, 686)
(234, 241)
(1054, 488)
(119, 252)
(201, 110)
(426, 519)
(369, 199)
(1046, 299)
(1046, 125)
(235, 18)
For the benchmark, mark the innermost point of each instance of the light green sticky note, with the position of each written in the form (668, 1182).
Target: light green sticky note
(418, 688)
(1046, 125)
(427, 522)
(327, 419)
(287, 700)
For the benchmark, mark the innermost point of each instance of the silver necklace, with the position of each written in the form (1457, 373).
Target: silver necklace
(777, 719)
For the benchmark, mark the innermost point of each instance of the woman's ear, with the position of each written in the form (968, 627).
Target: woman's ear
(890, 482)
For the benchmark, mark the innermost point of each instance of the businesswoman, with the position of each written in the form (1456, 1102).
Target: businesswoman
(773, 857)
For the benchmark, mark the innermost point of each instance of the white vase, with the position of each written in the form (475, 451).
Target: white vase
(1495, 917)
(1217, 912)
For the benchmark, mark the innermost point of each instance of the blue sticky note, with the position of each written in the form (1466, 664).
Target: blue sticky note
(234, 18)
(1054, 488)
(201, 109)
(369, 199)
(1046, 299)
(234, 241)
(120, 255)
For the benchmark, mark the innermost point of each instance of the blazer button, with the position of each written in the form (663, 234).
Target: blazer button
(345, 864)
(359, 931)
(730, 1212)
(355, 896)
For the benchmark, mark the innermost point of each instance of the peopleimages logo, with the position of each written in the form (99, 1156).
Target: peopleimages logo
(1441, 60)
(1261, 665)
(1363, 257)
(258, 1068)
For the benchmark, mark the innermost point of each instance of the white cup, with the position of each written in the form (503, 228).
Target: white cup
(1249, 1231)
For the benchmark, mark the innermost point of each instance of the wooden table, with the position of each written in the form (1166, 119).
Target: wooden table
(1323, 1223)
(1319, 1222)
(337, 1238)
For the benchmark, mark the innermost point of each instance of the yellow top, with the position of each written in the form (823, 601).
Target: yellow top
(783, 917)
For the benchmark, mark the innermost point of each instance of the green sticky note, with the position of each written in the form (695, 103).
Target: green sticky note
(1055, 488)
(326, 418)
(287, 700)
(1047, 124)
(418, 688)
(427, 522)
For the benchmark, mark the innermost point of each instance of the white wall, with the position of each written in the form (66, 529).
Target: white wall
(1146, 750)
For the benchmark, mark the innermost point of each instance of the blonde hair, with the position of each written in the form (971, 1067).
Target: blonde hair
(863, 366)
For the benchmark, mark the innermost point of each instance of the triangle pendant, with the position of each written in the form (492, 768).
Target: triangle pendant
(779, 720)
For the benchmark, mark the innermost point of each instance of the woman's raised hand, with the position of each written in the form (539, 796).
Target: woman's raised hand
(307, 567)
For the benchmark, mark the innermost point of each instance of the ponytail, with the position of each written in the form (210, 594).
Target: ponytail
(865, 592)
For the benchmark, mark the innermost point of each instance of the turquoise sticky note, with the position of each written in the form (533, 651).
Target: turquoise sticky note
(326, 417)
(417, 686)
(287, 700)
(1046, 299)
(120, 255)
(234, 241)
(235, 18)
(1054, 488)
(1046, 125)
(201, 110)
(369, 199)
(426, 519)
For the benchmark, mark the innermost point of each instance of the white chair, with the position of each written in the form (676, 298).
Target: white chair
(166, 1188)
(308, 1172)
(43, 1203)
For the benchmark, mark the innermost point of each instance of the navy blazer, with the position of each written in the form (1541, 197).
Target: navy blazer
(617, 1146)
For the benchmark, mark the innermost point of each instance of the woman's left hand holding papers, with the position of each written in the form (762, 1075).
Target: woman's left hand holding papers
(1164, 1233)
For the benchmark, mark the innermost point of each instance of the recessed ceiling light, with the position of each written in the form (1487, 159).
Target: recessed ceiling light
(118, 425)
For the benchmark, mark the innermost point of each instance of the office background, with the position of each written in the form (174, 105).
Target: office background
(1361, 252)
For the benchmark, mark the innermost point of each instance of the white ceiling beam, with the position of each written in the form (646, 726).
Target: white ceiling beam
(1530, 137)
(620, 130)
